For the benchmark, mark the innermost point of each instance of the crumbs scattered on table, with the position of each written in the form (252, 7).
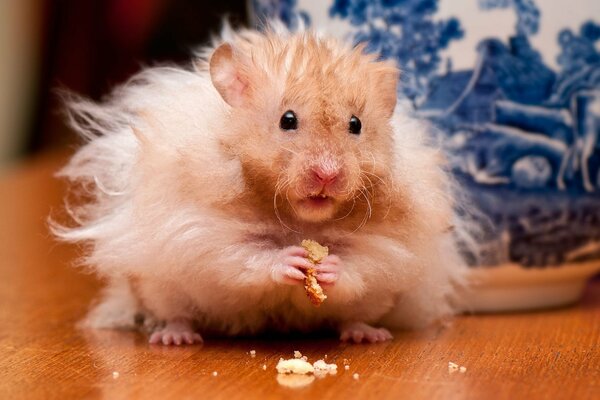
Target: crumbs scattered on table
(454, 367)
(299, 365)
(115, 374)
(346, 367)
(322, 368)
(215, 373)
(264, 367)
(355, 376)
(252, 353)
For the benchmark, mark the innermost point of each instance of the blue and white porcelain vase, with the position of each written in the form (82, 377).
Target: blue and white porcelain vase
(514, 88)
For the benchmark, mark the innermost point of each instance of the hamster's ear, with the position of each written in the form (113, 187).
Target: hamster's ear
(387, 86)
(229, 76)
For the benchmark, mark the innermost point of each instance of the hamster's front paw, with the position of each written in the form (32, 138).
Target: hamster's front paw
(328, 270)
(176, 332)
(359, 332)
(291, 263)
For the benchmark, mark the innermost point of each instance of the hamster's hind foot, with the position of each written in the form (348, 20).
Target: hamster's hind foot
(359, 332)
(176, 332)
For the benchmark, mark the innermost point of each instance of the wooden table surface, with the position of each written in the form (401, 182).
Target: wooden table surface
(553, 354)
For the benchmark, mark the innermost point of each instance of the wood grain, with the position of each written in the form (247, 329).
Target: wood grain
(553, 354)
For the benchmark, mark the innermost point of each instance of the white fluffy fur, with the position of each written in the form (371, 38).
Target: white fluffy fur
(194, 259)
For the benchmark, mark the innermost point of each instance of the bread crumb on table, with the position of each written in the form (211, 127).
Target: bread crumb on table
(355, 376)
(252, 353)
(294, 366)
(454, 367)
(298, 372)
(215, 373)
(264, 367)
(115, 375)
(346, 367)
(322, 368)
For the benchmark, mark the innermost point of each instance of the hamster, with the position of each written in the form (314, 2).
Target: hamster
(197, 184)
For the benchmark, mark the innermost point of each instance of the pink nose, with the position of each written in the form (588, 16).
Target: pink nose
(325, 177)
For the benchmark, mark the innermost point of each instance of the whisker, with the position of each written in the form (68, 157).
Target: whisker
(349, 212)
(367, 212)
(290, 150)
(279, 185)
(290, 203)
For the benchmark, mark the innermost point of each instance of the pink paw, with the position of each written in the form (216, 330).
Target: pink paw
(175, 332)
(328, 270)
(359, 332)
(294, 262)
(290, 268)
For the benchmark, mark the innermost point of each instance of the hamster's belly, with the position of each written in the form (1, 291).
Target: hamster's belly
(285, 309)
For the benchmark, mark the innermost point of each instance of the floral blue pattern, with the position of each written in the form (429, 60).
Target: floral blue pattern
(522, 138)
(284, 10)
(395, 29)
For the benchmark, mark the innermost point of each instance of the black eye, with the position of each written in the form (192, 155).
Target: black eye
(288, 121)
(355, 125)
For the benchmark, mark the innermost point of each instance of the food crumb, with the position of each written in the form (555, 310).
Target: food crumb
(346, 367)
(252, 353)
(316, 253)
(355, 376)
(322, 368)
(115, 375)
(304, 358)
(454, 367)
(297, 354)
(345, 361)
(294, 366)
(264, 367)
(215, 373)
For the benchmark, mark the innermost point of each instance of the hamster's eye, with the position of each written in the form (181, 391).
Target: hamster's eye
(354, 126)
(288, 121)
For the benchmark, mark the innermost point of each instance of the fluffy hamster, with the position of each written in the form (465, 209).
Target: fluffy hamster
(199, 184)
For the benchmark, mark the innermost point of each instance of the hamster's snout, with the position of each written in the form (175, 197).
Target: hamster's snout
(325, 176)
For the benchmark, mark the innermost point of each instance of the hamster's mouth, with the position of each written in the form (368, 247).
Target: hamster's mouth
(315, 207)
(318, 200)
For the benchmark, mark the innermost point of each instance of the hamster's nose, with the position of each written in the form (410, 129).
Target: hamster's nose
(325, 176)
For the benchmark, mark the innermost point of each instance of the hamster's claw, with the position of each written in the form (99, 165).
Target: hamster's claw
(359, 332)
(176, 332)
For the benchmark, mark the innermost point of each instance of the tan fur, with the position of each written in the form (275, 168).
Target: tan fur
(212, 188)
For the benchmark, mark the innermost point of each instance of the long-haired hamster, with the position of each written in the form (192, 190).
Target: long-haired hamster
(197, 185)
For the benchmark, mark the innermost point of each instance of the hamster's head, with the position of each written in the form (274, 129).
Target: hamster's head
(309, 120)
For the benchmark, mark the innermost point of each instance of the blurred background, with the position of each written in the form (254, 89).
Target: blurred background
(87, 47)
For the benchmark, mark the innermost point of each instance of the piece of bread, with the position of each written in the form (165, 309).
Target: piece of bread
(316, 253)
(294, 366)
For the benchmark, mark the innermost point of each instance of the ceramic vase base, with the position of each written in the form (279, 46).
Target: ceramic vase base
(511, 287)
